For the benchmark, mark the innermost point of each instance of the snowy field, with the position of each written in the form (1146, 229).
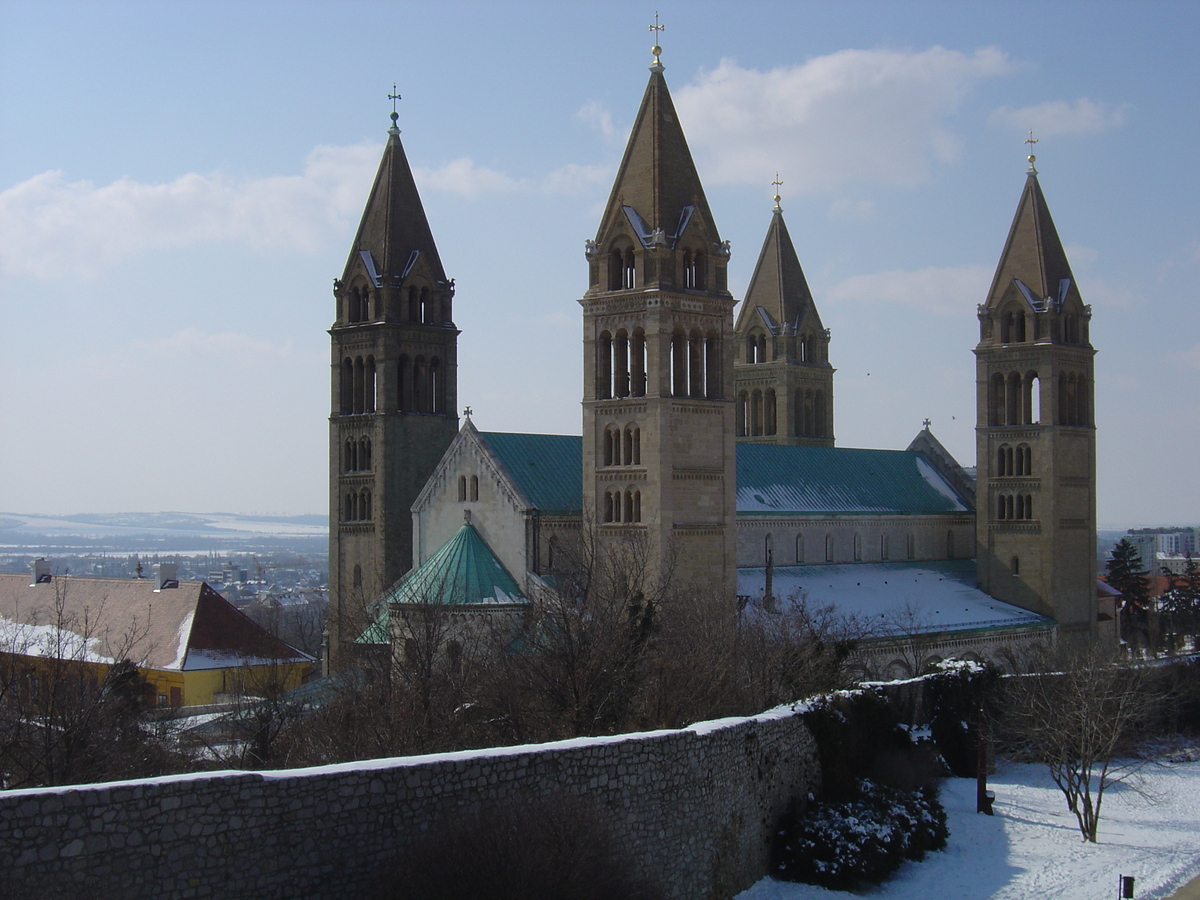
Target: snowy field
(1032, 846)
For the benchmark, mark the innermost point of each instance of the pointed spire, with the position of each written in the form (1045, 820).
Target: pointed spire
(1033, 252)
(778, 284)
(393, 224)
(657, 178)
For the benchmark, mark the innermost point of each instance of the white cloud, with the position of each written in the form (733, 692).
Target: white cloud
(867, 116)
(1056, 117)
(463, 176)
(853, 210)
(953, 290)
(51, 227)
(597, 116)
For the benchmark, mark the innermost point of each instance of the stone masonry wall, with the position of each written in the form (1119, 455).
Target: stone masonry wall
(693, 808)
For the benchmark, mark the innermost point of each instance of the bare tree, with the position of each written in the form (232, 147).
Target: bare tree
(1079, 711)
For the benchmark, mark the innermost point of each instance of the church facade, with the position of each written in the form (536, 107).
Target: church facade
(708, 441)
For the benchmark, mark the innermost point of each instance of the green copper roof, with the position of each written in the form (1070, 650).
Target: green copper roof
(774, 480)
(463, 572)
(547, 468)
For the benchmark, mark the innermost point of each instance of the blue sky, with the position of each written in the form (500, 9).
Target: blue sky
(180, 183)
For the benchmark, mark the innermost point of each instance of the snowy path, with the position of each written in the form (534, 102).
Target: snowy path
(1032, 846)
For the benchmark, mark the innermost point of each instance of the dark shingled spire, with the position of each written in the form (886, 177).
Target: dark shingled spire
(778, 284)
(393, 224)
(1033, 252)
(657, 177)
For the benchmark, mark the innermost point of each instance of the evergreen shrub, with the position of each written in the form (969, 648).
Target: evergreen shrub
(858, 840)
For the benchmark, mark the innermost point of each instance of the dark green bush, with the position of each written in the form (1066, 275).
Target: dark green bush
(959, 696)
(860, 840)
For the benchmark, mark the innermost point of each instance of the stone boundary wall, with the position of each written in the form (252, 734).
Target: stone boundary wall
(693, 809)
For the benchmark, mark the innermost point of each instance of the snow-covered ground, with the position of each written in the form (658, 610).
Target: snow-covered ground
(1032, 846)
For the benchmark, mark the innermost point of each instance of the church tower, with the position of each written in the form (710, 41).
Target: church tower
(784, 382)
(1035, 431)
(394, 397)
(658, 418)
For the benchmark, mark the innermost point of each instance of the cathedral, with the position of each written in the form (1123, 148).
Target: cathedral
(708, 440)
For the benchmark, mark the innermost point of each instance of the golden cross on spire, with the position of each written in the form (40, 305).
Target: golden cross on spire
(1031, 140)
(776, 183)
(657, 50)
(394, 96)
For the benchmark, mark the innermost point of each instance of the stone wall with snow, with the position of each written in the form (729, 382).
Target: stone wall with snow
(693, 809)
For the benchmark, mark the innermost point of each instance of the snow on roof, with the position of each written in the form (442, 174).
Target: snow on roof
(895, 598)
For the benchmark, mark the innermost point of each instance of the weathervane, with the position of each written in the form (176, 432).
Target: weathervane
(1031, 140)
(777, 183)
(394, 96)
(656, 50)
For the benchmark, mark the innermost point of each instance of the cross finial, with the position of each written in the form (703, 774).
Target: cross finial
(927, 423)
(467, 412)
(394, 96)
(656, 50)
(1031, 140)
(776, 183)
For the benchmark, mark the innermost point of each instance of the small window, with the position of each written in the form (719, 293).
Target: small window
(462, 488)
(474, 487)
(829, 548)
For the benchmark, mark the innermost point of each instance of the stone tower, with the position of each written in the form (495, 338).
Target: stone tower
(1035, 431)
(394, 393)
(658, 418)
(783, 378)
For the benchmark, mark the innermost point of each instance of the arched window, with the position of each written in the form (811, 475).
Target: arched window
(414, 304)
(621, 364)
(829, 548)
(607, 450)
(752, 349)
(883, 546)
(949, 545)
(366, 305)
(742, 411)
(364, 504)
(857, 547)
(712, 366)
(636, 447)
(364, 454)
(769, 411)
(695, 365)
(419, 380)
(357, 576)
(629, 274)
(604, 352)
(820, 417)
(800, 549)
(1016, 565)
(425, 305)
(756, 413)
(349, 514)
(437, 388)
(637, 363)
(403, 386)
(347, 406)
(474, 487)
(762, 348)
(768, 550)
(369, 385)
(679, 364)
(628, 517)
(637, 506)
(350, 463)
(551, 548)
(462, 488)
(608, 506)
(700, 268)
(805, 348)
(910, 547)
(689, 270)
(1033, 398)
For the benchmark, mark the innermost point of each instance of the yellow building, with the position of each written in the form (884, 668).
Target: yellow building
(184, 637)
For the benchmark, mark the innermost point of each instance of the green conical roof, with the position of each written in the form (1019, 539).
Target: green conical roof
(464, 572)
